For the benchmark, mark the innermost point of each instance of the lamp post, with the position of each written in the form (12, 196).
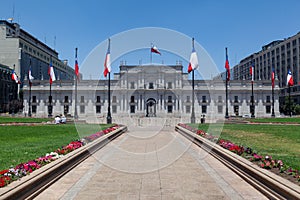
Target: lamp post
(252, 108)
(290, 111)
(193, 118)
(227, 77)
(30, 84)
(76, 82)
(108, 118)
(273, 113)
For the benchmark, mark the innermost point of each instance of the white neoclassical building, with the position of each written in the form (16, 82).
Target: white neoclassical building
(151, 91)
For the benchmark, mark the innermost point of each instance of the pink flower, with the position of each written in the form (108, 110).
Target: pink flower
(262, 165)
(257, 157)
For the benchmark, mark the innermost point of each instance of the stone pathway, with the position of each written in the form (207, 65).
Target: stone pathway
(149, 163)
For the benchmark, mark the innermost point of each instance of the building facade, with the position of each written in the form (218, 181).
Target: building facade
(18, 48)
(8, 90)
(154, 91)
(282, 55)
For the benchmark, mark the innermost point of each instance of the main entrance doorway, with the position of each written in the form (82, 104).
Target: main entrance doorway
(151, 108)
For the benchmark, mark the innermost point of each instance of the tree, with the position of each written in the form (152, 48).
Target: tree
(295, 109)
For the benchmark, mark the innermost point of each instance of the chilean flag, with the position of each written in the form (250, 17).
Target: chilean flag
(289, 79)
(193, 64)
(227, 67)
(14, 77)
(252, 72)
(107, 67)
(154, 49)
(51, 73)
(76, 67)
(273, 77)
(30, 77)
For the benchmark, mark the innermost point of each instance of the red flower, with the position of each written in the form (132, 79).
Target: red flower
(4, 171)
(4, 181)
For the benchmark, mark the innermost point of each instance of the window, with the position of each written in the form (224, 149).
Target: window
(236, 99)
(204, 109)
(33, 109)
(33, 99)
(236, 110)
(82, 109)
(220, 99)
(131, 85)
(141, 102)
(151, 86)
(66, 109)
(188, 99)
(132, 109)
(66, 99)
(268, 99)
(114, 109)
(188, 109)
(170, 107)
(169, 85)
(268, 109)
(132, 99)
(98, 99)
(82, 99)
(114, 99)
(220, 109)
(169, 99)
(98, 109)
(204, 99)
(252, 109)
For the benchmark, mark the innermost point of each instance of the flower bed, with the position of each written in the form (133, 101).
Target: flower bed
(14, 173)
(265, 162)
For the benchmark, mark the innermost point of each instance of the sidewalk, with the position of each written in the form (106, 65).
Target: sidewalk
(148, 163)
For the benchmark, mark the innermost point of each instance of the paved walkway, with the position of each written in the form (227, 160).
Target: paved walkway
(149, 163)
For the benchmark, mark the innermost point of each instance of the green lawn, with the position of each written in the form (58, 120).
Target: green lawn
(4, 120)
(24, 143)
(276, 120)
(279, 141)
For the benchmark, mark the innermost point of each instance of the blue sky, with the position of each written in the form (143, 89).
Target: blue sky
(242, 26)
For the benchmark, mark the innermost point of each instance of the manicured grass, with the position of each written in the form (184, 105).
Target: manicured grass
(279, 141)
(4, 120)
(276, 120)
(23, 143)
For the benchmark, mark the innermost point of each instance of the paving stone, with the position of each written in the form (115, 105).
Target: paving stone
(143, 168)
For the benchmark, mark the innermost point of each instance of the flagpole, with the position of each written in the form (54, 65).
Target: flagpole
(193, 119)
(252, 95)
(290, 112)
(151, 54)
(50, 97)
(50, 104)
(29, 101)
(108, 119)
(76, 113)
(252, 101)
(226, 111)
(18, 85)
(273, 113)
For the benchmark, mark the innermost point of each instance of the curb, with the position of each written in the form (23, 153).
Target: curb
(265, 181)
(33, 184)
